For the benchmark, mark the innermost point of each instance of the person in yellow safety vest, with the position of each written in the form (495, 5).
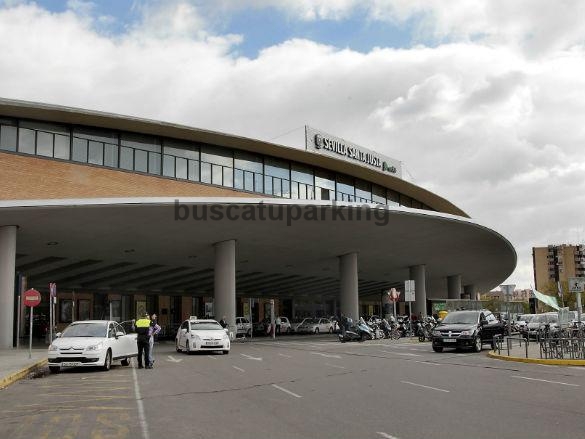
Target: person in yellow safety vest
(142, 326)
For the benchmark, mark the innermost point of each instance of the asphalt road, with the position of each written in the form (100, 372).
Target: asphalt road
(303, 387)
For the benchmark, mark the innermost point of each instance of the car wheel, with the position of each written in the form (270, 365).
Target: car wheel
(438, 348)
(125, 362)
(177, 346)
(477, 344)
(316, 330)
(108, 361)
(55, 369)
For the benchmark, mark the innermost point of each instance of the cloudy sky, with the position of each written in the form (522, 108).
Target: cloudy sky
(482, 100)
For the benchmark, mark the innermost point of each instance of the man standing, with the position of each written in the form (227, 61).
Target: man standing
(223, 322)
(142, 340)
(152, 332)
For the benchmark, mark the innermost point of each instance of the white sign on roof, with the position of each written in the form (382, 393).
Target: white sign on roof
(336, 147)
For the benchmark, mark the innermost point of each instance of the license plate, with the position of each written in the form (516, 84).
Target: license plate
(449, 340)
(212, 343)
(70, 363)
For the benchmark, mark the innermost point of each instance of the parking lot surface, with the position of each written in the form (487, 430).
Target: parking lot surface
(303, 387)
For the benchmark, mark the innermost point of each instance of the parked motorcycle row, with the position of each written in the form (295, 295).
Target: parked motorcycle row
(392, 328)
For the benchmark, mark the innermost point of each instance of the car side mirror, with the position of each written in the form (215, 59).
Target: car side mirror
(57, 335)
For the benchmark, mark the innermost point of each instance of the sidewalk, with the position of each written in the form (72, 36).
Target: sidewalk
(530, 354)
(15, 364)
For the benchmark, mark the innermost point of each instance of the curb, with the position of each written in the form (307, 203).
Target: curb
(14, 377)
(552, 362)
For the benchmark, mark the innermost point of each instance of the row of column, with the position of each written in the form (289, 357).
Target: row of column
(224, 284)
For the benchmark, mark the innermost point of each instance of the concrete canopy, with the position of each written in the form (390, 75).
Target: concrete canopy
(140, 245)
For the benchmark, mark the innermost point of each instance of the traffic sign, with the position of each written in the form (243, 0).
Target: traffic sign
(32, 298)
(576, 284)
(409, 295)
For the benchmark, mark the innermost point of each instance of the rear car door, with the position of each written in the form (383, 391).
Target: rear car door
(493, 327)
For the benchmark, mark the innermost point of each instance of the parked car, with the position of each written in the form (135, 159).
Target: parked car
(243, 326)
(470, 329)
(522, 321)
(90, 343)
(539, 321)
(296, 323)
(316, 326)
(285, 325)
(261, 327)
(202, 335)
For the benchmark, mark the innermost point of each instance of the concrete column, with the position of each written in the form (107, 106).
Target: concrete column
(454, 287)
(469, 291)
(224, 281)
(418, 274)
(348, 276)
(7, 274)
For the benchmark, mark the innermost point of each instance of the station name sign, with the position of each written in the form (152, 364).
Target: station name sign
(323, 143)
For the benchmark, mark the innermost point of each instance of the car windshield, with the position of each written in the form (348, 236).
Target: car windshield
(463, 317)
(96, 329)
(205, 326)
(310, 321)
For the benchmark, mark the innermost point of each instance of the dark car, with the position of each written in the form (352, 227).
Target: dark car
(467, 329)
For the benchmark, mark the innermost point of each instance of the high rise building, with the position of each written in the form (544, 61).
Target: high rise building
(556, 263)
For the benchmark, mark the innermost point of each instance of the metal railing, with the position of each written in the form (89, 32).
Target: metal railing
(506, 343)
(562, 348)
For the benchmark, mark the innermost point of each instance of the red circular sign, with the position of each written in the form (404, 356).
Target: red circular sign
(32, 297)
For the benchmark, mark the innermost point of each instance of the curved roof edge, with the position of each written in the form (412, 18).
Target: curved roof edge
(78, 116)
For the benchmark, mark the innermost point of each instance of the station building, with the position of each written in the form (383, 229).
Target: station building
(126, 215)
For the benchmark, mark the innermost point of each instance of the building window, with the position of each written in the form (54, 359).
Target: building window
(181, 160)
(45, 139)
(378, 194)
(248, 172)
(302, 182)
(345, 189)
(83, 307)
(217, 166)
(8, 135)
(65, 311)
(363, 191)
(276, 177)
(393, 197)
(140, 153)
(98, 147)
(324, 185)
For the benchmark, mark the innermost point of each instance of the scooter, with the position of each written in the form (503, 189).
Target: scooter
(353, 333)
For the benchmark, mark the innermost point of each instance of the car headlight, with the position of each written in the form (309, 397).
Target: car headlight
(195, 337)
(53, 348)
(470, 332)
(95, 347)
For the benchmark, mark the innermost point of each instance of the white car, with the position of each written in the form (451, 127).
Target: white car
(243, 326)
(316, 326)
(202, 335)
(92, 343)
(297, 323)
(285, 325)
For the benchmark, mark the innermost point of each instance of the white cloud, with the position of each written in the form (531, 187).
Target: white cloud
(495, 129)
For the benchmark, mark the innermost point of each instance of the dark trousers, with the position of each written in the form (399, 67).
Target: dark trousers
(143, 350)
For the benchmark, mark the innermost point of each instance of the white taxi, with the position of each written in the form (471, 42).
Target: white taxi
(91, 343)
(202, 335)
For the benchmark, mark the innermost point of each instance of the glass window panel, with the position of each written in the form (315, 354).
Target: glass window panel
(405, 201)
(96, 153)
(416, 204)
(393, 197)
(140, 160)
(8, 137)
(61, 147)
(216, 175)
(111, 155)
(248, 162)
(345, 188)
(126, 158)
(268, 185)
(259, 183)
(96, 134)
(181, 149)
(249, 180)
(276, 168)
(168, 165)
(193, 168)
(302, 174)
(181, 168)
(154, 163)
(45, 127)
(378, 194)
(228, 177)
(79, 150)
(205, 172)
(239, 179)
(26, 141)
(139, 141)
(363, 192)
(324, 179)
(44, 144)
(217, 156)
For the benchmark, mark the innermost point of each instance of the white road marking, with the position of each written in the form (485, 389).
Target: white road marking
(426, 387)
(429, 362)
(286, 391)
(546, 365)
(212, 357)
(325, 355)
(173, 359)
(545, 381)
(141, 415)
(285, 356)
(577, 367)
(386, 435)
(401, 353)
(238, 368)
(249, 357)
(334, 365)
